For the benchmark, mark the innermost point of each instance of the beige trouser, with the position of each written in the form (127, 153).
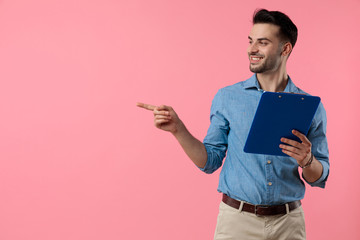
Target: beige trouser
(234, 224)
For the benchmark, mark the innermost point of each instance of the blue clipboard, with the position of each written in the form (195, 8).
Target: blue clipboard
(277, 114)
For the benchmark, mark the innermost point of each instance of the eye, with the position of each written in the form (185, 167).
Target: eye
(263, 43)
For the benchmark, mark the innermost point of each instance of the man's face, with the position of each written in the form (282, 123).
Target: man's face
(265, 48)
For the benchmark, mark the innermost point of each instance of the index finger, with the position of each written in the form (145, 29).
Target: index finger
(146, 106)
(302, 137)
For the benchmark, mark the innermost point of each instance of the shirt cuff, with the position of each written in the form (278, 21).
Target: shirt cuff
(322, 180)
(210, 165)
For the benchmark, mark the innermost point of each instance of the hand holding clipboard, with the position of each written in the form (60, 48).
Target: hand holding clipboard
(277, 115)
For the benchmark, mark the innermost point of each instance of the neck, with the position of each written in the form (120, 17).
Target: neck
(273, 81)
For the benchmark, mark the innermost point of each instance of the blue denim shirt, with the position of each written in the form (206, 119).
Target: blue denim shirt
(256, 178)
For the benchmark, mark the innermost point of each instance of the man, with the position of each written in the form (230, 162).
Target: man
(261, 193)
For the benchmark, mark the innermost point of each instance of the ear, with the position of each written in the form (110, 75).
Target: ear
(286, 49)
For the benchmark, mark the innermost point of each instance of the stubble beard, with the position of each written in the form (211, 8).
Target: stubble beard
(268, 64)
(258, 69)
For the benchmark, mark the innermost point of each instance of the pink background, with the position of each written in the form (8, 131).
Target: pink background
(78, 160)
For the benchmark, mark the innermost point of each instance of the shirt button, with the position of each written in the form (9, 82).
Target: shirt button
(269, 161)
(269, 183)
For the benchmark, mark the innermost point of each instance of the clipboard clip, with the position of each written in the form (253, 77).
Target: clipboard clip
(295, 93)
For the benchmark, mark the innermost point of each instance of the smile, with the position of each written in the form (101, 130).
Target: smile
(255, 59)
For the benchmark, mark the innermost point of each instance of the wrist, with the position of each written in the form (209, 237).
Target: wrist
(179, 129)
(308, 163)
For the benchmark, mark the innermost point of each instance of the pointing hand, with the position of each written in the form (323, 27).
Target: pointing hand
(165, 118)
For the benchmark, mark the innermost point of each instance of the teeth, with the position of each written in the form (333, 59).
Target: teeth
(255, 58)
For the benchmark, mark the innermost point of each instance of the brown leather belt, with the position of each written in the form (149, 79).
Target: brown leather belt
(261, 210)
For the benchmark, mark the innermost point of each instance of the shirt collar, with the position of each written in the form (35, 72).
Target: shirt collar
(254, 83)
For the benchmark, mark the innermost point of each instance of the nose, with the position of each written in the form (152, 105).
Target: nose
(253, 48)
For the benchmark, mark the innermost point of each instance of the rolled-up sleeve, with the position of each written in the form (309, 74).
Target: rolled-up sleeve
(317, 137)
(216, 140)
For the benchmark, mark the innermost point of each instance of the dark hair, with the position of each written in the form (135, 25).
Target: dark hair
(288, 30)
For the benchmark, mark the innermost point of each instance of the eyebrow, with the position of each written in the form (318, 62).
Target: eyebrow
(260, 39)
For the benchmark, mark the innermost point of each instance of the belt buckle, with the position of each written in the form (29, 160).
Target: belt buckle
(259, 206)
